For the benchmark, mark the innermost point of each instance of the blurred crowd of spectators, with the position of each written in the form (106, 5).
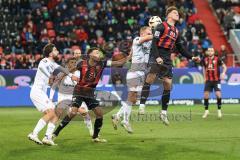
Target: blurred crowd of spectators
(27, 25)
(228, 12)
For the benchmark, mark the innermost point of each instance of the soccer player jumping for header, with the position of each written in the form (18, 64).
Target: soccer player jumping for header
(165, 38)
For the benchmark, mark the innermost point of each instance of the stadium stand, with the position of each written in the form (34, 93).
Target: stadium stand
(27, 25)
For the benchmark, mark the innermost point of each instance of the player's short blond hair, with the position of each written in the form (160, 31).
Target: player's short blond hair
(142, 29)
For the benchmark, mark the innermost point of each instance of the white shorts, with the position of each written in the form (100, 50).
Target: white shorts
(40, 100)
(135, 81)
(65, 102)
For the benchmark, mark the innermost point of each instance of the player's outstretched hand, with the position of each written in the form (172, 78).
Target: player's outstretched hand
(222, 76)
(159, 60)
(74, 78)
(196, 59)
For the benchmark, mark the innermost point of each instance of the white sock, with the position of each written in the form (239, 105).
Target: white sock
(117, 96)
(127, 112)
(40, 125)
(142, 106)
(50, 129)
(121, 110)
(88, 122)
(164, 112)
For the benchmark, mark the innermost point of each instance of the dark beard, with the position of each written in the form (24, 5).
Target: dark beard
(55, 58)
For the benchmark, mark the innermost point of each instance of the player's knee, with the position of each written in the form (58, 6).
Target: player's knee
(150, 78)
(168, 87)
(98, 112)
(82, 111)
(218, 94)
(59, 112)
(74, 111)
(132, 98)
(206, 95)
(51, 114)
(167, 84)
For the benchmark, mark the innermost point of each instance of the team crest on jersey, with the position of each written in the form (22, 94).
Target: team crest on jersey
(172, 34)
(156, 34)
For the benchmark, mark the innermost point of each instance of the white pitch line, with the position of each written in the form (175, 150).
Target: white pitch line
(193, 113)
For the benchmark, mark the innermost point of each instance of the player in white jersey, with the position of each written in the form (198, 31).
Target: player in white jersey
(39, 95)
(135, 77)
(65, 92)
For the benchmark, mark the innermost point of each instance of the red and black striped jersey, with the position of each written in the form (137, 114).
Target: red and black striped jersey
(168, 37)
(89, 77)
(212, 68)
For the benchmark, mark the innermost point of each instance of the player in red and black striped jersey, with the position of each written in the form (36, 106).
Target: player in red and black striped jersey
(166, 38)
(91, 69)
(211, 68)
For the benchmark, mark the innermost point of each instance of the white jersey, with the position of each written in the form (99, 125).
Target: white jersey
(65, 87)
(140, 55)
(38, 92)
(45, 69)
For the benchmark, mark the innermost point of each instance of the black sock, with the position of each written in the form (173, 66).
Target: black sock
(63, 124)
(219, 103)
(145, 93)
(97, 127)
(206, 103)
(165, 99)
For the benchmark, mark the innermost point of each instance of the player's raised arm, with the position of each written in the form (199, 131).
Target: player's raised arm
(119, 61)
(180, 47)
(145, 39)
(65, 71)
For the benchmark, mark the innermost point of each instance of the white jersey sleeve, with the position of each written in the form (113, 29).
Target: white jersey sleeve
(136, 41)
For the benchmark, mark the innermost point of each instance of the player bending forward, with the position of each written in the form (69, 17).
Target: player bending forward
(39, 95)
(211, 67)
(135, 76)
(91, 70)
(65, 91)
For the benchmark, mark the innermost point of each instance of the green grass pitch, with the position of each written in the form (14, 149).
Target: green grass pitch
(188, 137)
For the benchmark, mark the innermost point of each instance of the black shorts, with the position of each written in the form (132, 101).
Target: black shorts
(210, 85)
(161, 70)
(90, 102)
